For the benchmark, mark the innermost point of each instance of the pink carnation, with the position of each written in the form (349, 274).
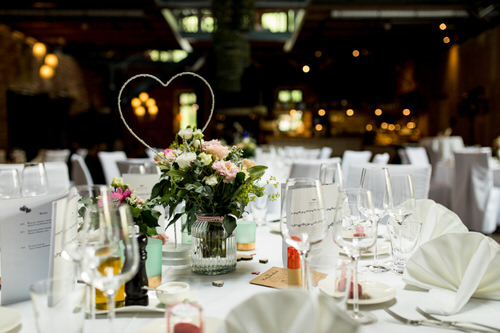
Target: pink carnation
(247, 164)
(216, 148)
(226, 169)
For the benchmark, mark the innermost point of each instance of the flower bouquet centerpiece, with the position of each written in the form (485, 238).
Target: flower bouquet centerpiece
(215, 183)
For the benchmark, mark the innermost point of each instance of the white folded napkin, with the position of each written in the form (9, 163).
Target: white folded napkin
(455, 267)
(289, 310)
(437, 220)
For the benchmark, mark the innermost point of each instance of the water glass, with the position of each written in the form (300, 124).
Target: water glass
(59, 305)
(258, 208)
(34, 180)
(10, 184)
(404, 239)
(184, 317)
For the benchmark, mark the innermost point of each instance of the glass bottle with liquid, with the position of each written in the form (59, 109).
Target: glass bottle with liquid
(100, 297)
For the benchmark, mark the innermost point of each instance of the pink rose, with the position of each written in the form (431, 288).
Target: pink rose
(247, 164)
(216, 148)
(170, 154)
(226, 169)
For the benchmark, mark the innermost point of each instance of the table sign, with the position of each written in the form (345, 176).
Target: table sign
(25, 232)
(141, 184)
(277, 277)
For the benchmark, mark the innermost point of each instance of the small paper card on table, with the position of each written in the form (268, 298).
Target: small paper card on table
(26, 226)
(141, 184)
(277, 277)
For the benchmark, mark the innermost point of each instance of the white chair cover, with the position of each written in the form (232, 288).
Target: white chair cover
(108, 162)
(474, 198)
(382, 158)
(350, 157)
(80, 173)
(310, 168)
(420, 174)
(54, 155)
(326, 152)
(417, 155)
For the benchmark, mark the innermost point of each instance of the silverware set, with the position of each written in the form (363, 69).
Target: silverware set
(464, 326)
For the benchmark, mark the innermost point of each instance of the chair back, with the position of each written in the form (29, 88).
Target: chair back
(108, 163)
(382, 158)
(80, 173)
(420, 174)
(473, 197)
(354, 157)
(310, 168)
(54, 155)
(417, 155)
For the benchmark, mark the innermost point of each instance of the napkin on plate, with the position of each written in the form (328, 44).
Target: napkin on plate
(436, 220)
(455, 267)
(291, 311)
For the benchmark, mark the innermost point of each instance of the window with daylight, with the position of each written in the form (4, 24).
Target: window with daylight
(188, 109)
(290, 96)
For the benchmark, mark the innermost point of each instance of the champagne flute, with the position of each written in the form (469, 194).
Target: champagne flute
(355, 231)
(303, 222)
(376, 180)
(111, 253)
(402, 206)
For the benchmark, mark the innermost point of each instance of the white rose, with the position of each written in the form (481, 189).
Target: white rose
(206, 159)
(186, 133)
(184, 160)
(198, 134)
(210, 180)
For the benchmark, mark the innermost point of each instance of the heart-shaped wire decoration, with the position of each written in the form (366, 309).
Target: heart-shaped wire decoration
(164, 85)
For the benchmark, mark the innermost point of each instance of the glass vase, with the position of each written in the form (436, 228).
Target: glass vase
(213, 252)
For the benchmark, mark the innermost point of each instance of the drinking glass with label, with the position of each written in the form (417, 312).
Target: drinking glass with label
(376, 180)
(354, 231)
(34, 180)
(303, 222)
(111, 253)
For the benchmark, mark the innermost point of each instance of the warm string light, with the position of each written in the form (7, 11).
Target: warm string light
(49, 61)
(144, 104)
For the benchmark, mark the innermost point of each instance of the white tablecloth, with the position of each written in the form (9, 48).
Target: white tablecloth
(218, 301)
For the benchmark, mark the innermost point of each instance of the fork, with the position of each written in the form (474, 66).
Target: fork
(456, 322)
(432, 322)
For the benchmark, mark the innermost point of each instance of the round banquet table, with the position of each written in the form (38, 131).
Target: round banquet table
(218, 301)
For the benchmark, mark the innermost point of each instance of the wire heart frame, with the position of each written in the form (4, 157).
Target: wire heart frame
(164, 85)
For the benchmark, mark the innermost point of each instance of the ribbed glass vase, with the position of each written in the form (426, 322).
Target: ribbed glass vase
(213, 252)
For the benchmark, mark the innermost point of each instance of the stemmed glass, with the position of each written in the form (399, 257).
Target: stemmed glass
(111, 254)
(72, 250)
(376, 180)
(355, 231)
(402, 230)
(303, 222)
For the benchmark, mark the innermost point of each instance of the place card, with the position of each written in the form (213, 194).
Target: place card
(141, 184)
(277, 277)
(25, 238)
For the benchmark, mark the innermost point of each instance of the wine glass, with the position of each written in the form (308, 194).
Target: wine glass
(402, 206)
(34, 180)
(72, 250)
(355, 231)
(376, 180)
(303, 222)
(331, 173)
(111, 253)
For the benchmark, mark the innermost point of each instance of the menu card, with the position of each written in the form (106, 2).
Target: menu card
(277, 277)
(142, 184)
(25, 238)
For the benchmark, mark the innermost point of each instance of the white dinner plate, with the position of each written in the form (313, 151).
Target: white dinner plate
(210, 325)
(377, 292)
(9, 319)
